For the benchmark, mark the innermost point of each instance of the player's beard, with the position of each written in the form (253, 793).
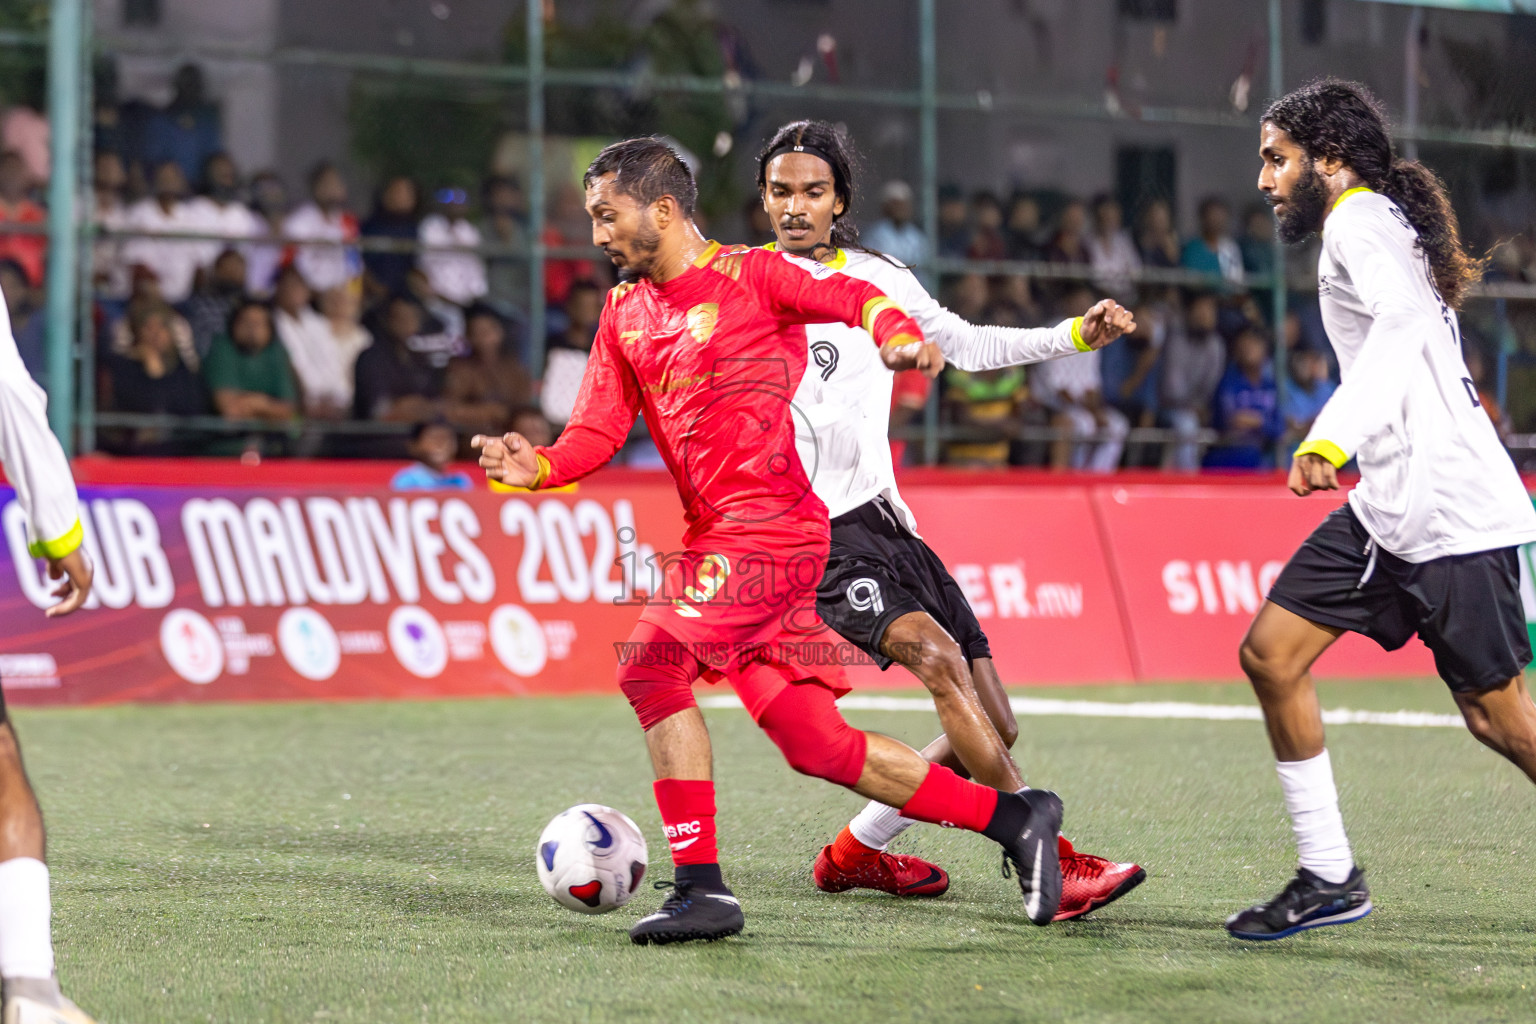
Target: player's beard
(641, 260)
(1303, 212)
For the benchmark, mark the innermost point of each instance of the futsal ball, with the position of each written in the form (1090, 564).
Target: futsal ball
(591, 858)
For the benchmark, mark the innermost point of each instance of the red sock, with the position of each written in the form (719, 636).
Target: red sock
(687, 809)
(849, 854)
(946, 799)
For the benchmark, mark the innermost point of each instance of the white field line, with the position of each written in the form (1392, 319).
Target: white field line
(1139, 709)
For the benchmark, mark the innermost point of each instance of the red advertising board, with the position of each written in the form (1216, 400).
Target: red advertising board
(1030, 563)
(1193, 564)
(257, 593)
(319, 582)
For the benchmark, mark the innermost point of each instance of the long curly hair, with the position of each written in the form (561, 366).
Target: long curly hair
(842, 157)
(1334, 118)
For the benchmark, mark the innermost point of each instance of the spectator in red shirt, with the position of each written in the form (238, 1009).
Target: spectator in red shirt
(17, 208)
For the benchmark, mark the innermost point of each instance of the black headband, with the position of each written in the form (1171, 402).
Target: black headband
(790, 147)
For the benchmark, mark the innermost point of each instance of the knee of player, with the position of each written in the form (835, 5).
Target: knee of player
(1482, 727)
(836, 754)
(655, 696)
(941, 664)
(1262, 666)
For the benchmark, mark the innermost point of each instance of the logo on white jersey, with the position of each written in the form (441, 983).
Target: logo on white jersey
(824, 355)
(864, 595)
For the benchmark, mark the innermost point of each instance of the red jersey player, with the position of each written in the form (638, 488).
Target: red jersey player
(708, 344)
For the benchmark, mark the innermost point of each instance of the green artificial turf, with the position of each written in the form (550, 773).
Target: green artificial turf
(374, 862)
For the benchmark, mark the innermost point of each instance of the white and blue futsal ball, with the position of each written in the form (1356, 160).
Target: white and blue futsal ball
(591, 858)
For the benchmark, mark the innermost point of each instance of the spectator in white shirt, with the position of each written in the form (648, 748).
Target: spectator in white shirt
(325, 388)
(1072, 387)
(455, 274)
(895, 234)
(1111, 251)
(174, 261)
(221, 205)
(342, 308)
(323, 230)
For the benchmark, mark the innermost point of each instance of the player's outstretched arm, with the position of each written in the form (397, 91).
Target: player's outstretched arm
(38, 470)
(605, 410)
(976, 347)
(806, 292)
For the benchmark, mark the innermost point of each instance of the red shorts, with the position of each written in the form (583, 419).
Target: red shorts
(748, 614)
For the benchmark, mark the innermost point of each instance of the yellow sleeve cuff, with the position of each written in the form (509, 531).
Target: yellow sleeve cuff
(873, 308)
(1326, 449)
(544, 470)
(1077, 336)
(53, 550)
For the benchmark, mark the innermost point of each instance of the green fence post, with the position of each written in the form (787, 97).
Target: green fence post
(536, 185)
(64, 68)
(928, 141)
(1278, 297)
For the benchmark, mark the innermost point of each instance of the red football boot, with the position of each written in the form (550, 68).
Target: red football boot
(1089, 882)
(895, 873)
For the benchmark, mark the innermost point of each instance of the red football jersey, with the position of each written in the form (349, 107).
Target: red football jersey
(713, 358)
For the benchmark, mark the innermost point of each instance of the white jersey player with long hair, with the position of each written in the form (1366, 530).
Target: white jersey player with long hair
(1427, 541)
(884, 590)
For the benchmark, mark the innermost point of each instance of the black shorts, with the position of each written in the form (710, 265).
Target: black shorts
(878, 572)
(1466, 608)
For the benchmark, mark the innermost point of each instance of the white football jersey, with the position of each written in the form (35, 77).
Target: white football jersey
(1434, 478)
(843, 405)
(35, 465)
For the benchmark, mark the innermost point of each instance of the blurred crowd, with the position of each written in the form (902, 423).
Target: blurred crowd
(1200, 367)
(222, 294)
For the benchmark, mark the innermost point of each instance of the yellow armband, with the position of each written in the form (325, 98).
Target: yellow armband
(1326, 450)
(55, 549)
(1077, 336)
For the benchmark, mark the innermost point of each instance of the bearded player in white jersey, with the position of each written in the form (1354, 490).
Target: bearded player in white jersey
(1427, 542)
(37, 470)
(884, 589)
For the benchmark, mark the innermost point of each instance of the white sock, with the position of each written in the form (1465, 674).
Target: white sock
(1313, 803)
(876, 825)
(26, 947)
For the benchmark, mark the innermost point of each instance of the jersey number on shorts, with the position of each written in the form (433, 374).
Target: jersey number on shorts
(864, 596)
(709, 579)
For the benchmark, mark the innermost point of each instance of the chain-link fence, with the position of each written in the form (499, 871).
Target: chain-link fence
(397, 186)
